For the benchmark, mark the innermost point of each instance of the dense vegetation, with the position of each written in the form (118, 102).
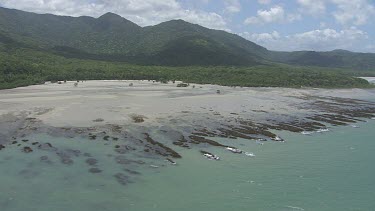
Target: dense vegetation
(21, 67)
(36, 48)
(359, 62)
(173, 43)
(111, 37)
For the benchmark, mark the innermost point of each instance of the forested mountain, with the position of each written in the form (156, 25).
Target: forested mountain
(35, 48)
(332, 59)
(174, 43)
(112, 37)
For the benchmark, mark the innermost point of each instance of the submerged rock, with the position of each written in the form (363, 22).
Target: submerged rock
(123, 160)
(45, 159)
(65, 158)
(27, 150)
(132, 172)
(171, 161)
(47, 147)
(122, 178)
(87, 154)
(92, 161)
(95, 170)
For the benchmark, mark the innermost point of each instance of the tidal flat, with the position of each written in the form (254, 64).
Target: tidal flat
(112, 135)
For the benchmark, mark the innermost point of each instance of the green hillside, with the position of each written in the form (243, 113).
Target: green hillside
(173, 43)
(35, 48)
(24, 66)
(113, 37)
(359, 62)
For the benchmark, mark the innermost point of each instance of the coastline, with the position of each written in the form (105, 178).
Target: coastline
(103, 136)
(97, 106)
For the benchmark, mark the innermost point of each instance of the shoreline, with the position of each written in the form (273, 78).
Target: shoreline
(148, 104)
(152, 120)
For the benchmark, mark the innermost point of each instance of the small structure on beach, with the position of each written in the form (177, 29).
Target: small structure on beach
(182, 85)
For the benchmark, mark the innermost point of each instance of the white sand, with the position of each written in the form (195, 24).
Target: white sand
(114, 101)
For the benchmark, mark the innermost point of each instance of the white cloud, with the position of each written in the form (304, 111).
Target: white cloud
(353, 12)
(346, 12)
(318, 40)
(262, 37)
(313, 7)
(145, 12)
(264, 1)
(275, 15)
(232, 6)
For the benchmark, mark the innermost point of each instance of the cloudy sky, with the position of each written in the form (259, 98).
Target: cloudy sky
(276, 24)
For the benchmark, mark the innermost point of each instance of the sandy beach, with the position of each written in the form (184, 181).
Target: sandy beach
(98, 103)
(111, 132)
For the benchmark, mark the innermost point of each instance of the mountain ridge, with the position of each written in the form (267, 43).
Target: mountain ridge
(173, 43)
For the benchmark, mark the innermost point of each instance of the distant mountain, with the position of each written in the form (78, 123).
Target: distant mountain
(175, 43)
(332, 59)
(110, 36)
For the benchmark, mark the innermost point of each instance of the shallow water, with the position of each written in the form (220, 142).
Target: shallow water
(329, 171)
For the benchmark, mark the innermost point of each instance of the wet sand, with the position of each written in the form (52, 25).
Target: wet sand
(95, 104)
(101, 136)
(152, 120)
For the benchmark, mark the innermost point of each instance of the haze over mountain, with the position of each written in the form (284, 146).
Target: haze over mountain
(175, 43)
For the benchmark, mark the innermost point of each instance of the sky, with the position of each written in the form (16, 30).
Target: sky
(283, 25)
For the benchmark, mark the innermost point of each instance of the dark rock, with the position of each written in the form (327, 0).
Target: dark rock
(91, 161)
(138, 118)
(73, 152)
(47, 146)
(198, 140)
(98, 120)
(160, 148)
(44, 158)
(27, 149)
(64, 158)
(92, 137)
(95, 170)
(171, 161)
(67, 161)
(132, 172)
(123, 149)
(124, 161)
(122, 178)
(87, 154)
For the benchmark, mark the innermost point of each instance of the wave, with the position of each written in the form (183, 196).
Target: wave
(322, 130)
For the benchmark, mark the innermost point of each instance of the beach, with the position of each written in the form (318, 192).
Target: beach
(115, 139)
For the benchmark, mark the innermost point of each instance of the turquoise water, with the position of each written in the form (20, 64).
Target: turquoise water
(330, 171)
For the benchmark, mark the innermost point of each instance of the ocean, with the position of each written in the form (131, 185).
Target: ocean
(327, 171)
